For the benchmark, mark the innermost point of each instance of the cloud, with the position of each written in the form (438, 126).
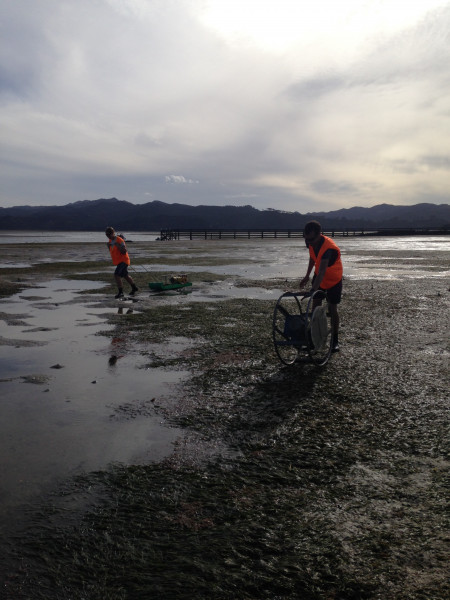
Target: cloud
(177, 179)
(105, 98)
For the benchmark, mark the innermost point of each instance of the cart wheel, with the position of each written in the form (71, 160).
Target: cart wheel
(287, 328)
(319, 337)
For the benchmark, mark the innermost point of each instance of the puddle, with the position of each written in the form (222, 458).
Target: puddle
(13, 264)
(62, 387)
(201, 292)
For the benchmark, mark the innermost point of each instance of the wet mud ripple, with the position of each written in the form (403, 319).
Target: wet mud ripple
(291, 482)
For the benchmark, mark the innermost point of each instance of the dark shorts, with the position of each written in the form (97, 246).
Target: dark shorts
(334, 294)
(121, 270)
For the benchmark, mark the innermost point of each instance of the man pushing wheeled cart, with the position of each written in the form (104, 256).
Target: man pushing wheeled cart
(325, 259)
(303, 330)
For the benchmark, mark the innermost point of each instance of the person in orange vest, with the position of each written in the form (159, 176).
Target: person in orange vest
(325, 259)
(121, 260)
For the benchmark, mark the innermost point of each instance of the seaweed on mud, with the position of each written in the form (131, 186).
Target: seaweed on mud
(8, 288)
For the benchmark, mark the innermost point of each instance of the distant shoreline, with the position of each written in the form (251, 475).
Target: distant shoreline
(238, 233)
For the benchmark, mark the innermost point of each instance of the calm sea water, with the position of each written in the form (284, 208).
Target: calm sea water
(60, 237)
(420, 242)
(393, 257)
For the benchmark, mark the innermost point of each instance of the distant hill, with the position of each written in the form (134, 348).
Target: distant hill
(95, 215)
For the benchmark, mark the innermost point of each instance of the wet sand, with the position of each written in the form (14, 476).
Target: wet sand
(283, 482)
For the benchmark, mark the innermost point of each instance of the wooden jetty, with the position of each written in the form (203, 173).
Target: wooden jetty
(227, 234)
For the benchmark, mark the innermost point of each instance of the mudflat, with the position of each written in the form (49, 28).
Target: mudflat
(284, 482)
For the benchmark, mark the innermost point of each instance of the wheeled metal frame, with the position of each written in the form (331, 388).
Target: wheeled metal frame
(301, 328)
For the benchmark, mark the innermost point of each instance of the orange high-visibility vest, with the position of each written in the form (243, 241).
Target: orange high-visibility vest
(114, 249)
(333, 274)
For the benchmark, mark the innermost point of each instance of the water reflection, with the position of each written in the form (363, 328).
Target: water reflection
(117, 350)
(53, 421)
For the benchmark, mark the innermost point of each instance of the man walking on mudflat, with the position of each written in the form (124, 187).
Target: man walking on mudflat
(325, 259)
(121, 259)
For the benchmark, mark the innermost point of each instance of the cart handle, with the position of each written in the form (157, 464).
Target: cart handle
(295, 294)
(318, 294)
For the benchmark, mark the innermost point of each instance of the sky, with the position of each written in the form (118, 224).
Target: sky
(289, 104)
